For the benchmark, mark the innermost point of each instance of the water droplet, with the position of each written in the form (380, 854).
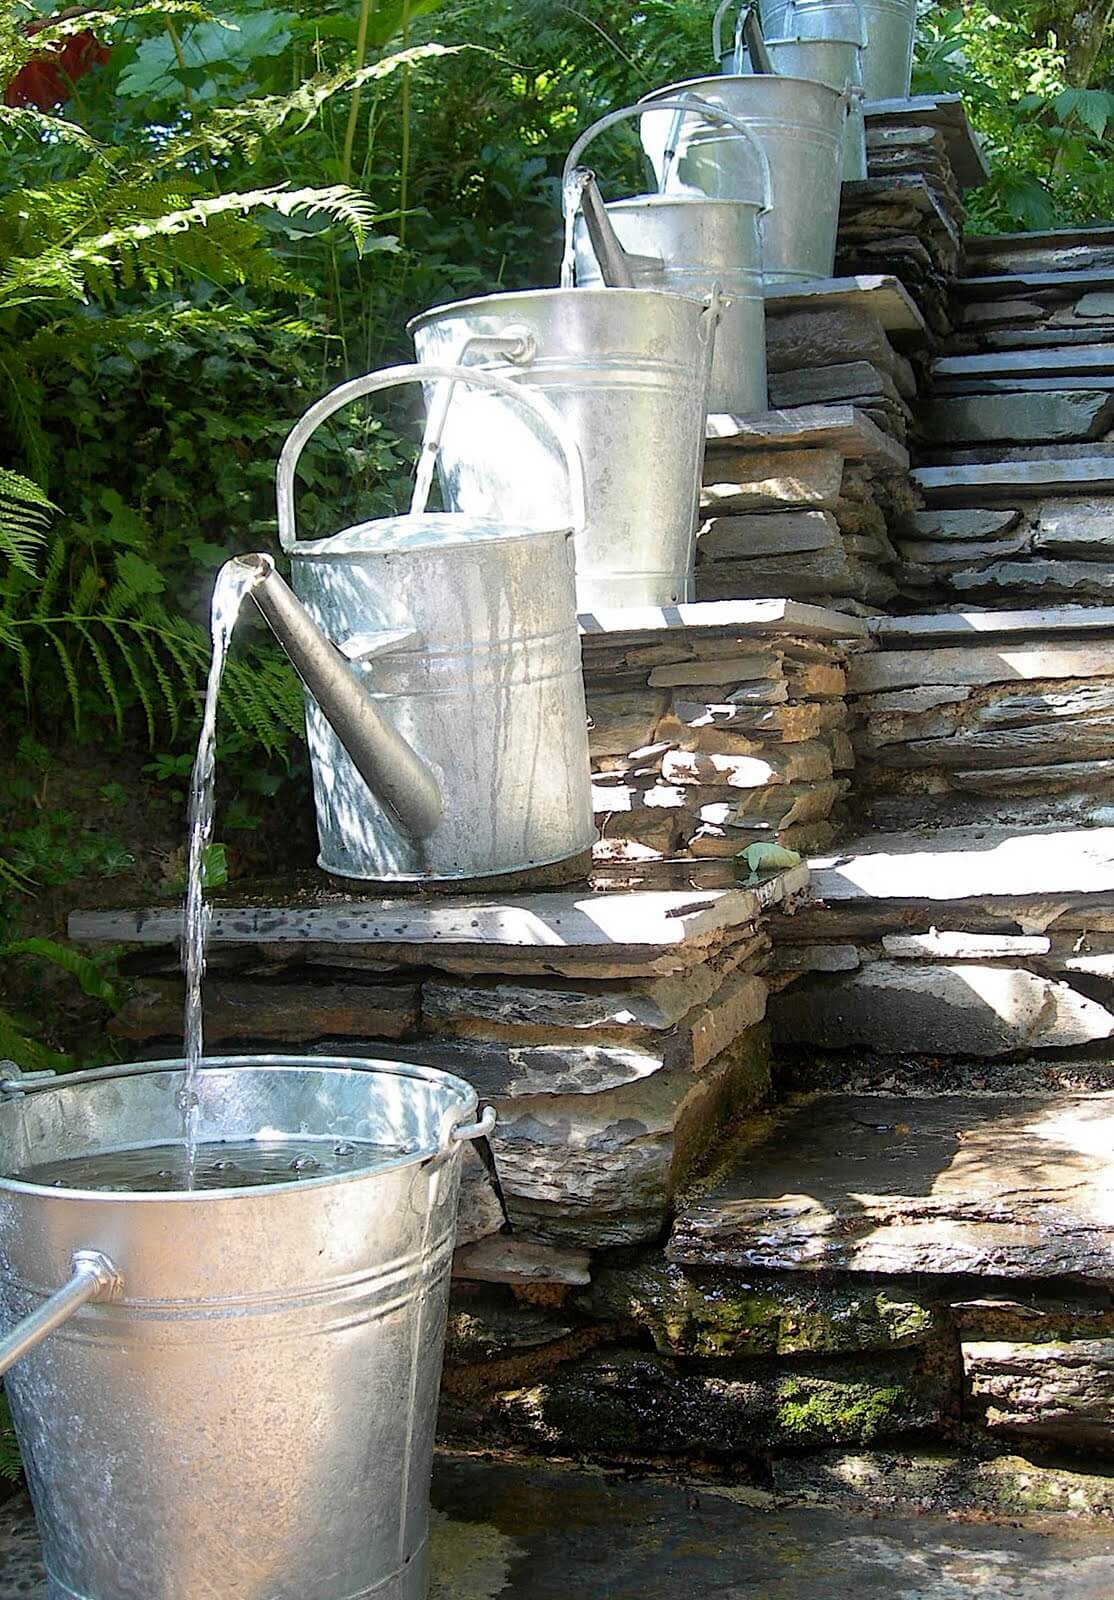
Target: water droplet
(303, 1164)
(343, 1148)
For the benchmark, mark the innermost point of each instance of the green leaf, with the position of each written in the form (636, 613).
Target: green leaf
(232, 44)
(89, 976)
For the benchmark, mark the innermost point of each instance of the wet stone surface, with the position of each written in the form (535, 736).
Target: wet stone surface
(520, 1532)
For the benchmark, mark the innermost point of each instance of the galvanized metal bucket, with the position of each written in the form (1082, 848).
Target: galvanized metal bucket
(839, 64)
(890, 29)
(241, 1400)
(800, 125)
(462, 628)
(690, 245)
(628, 371)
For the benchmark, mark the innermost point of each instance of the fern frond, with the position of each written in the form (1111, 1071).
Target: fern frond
(27, 123)
(25, 514)
(11, 1462)
(28, 1053)
(21, 402)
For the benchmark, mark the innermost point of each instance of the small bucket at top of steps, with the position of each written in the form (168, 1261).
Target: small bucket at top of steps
(890, 30)
(694, 246)
(628, 371)
(799, 123)
(838, 62)
(230, 1389)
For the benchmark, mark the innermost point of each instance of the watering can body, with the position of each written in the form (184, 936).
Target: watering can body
(889, 26)
(628, 371)
(798, 122)
(459, 634)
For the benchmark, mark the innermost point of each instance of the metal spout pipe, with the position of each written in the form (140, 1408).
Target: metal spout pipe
(614, 267)
(392, 770)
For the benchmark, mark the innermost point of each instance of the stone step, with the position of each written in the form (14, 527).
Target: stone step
(1054, 250)
(979, 483)
(1053, 416)
(947, 114)
(961, 864)
(983, 1185)
(991, 285)
(1068, 360)
(660, 931)
(844, 429)
(885, 297)
(981, 628)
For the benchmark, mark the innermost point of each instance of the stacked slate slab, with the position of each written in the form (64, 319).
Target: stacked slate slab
(845, 341)
(1015, 436)
(797, 503)
(614, 1033)
(713, 728)
(907, 216)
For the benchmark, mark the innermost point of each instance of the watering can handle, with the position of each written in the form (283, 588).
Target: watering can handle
(682, 104)
(93, 1277)
(748, 35)
(393, 377)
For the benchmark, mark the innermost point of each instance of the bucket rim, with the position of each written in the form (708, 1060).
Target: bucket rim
(351, 1065)
(720, 78)
(473, 301)
(369, 538)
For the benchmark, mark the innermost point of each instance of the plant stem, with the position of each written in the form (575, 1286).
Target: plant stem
(354, 108)
(404, 184)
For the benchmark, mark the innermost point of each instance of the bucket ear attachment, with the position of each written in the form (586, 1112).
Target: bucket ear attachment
(94, 1277)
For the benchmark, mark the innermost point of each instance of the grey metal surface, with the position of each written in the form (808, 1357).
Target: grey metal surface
(889, 26)
(690, 246)
(799, 124)
(462, 629)
(251, 1414)
(839, 64)
(629, 371)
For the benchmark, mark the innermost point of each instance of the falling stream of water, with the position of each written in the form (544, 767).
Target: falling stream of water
(234, 581)
(579, 179)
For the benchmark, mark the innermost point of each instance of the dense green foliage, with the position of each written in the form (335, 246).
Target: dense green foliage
(222, 209)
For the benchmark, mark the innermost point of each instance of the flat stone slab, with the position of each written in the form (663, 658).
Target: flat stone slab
(586, 923)
(992, 284)
(945, 112)
(968, 864)
(1060, 1392)
(983, 627)
(886, 298)
(519, 1531)
(1050, 362)
(1050, 417)
(1004, 480)
(990, 1185)
(843, 428)
(763, 618)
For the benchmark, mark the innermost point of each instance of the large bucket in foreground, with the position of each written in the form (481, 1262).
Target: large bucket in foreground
(799, 124)
(890, 27)
(628, 372)
(244, 1407)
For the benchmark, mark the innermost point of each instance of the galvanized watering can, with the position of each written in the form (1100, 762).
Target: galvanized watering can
(689, 245)
(239, 1398)
(445, 706)
(798, 122)
(836, 62)
(628, 372)
(890, 25)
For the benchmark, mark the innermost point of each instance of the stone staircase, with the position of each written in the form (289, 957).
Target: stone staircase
(897, 1233)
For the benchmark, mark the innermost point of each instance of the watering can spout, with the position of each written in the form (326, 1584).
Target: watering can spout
(392, 770)
(615, 269)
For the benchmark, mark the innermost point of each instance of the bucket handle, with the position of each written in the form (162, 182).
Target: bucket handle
(393, 377)
(456, 1132)
(682, 105)
(93, 1277)
(748, 36)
